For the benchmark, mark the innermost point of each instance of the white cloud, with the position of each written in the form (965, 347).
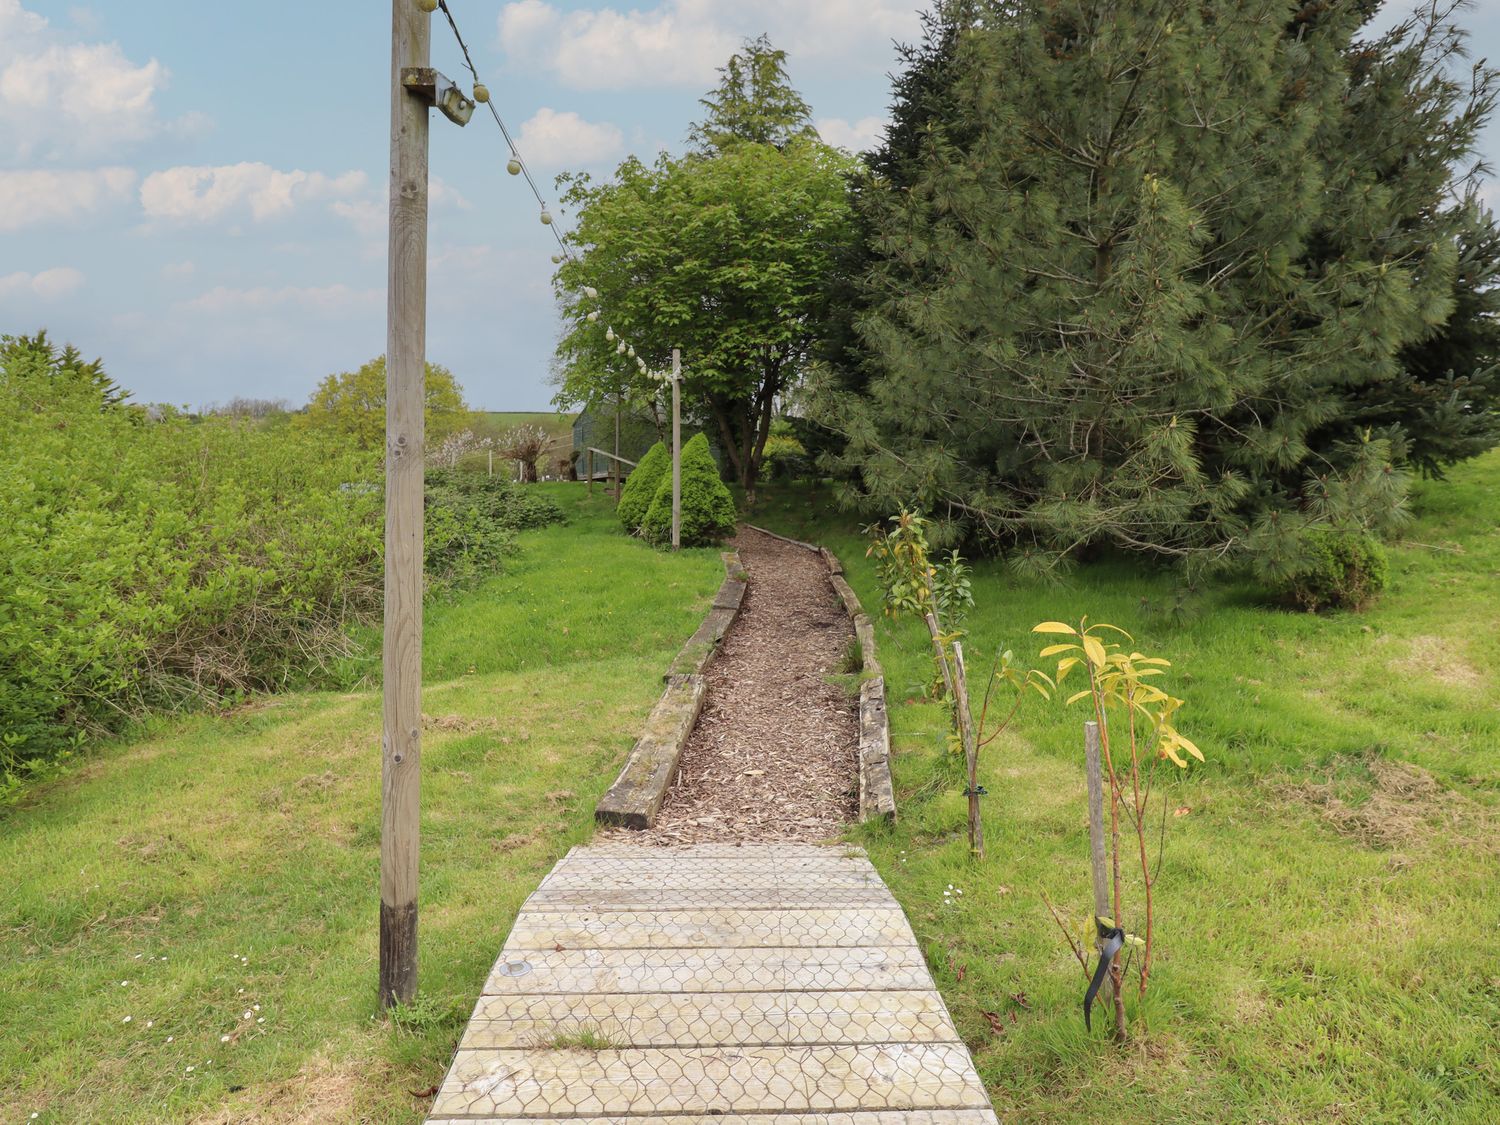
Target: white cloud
(858, 136)
(327, 300)
(48, 285)
(202, 194)
(683, 42)
(63, 99)
(179, 269)
(38, 196)
(559, 140)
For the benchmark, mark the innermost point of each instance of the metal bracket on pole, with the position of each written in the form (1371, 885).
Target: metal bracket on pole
(438, 90)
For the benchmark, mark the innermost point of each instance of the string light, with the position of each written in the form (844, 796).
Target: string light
(516, 166)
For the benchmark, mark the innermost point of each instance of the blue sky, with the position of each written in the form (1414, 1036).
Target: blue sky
(196, 191)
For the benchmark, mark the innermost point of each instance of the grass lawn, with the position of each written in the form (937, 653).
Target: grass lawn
(1328, 907)
(216, 875)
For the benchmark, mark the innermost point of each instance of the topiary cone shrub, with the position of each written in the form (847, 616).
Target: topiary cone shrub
(641, 485)
(708, 514)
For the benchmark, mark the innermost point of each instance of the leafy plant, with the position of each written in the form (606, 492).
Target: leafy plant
(352, 404)
(526, 445)
(1119, 684)
(472, 520)
(941, 594)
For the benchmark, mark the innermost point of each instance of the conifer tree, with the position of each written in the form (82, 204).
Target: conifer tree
(1133, 265)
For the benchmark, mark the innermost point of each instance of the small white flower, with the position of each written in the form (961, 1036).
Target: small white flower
(947, 894)
(123, 983)
(959, 891)
(247, 1015)
(190, 1069)
(138, 956)
(261, 1020)
(126, 1019)
(149, 1024)
(223, 1039)
(950, 886)
(242, 992)
(170, 1038)
(256, 1007)
(34, 1116)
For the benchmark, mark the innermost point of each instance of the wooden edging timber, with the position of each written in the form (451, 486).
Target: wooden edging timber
(877, 794)
(636, 796)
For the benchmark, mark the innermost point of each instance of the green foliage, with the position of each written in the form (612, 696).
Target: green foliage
(472, 520)
(1338, 570)
(785, 456)
(351, 404)
(1088, 321)
(708, 514)
(726, 254)
(149, 563)
(641, 486)
(65, 368)
(754, 103)
(912, 579)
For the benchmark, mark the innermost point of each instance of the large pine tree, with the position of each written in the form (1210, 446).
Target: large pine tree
(1138, 273)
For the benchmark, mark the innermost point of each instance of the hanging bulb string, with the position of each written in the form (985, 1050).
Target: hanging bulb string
(515, 153)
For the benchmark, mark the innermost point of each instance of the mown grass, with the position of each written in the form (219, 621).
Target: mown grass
(1331, 890)
(223, 865)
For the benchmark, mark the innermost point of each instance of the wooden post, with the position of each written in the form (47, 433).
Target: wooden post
(1099, 860)
(590, 454)
(616, 462)
(492, 462)
(406, 346)
(971, 749)
(676, 449)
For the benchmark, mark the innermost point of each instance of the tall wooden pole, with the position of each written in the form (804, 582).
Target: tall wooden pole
(406, 346)
(676, 449)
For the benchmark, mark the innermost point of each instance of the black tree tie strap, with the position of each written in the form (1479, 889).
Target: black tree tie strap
(1114, 940)
(977, 791)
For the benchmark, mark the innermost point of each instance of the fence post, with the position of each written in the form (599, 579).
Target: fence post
(1098, 861)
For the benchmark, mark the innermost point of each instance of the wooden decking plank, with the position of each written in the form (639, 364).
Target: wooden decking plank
(707, 928)
(697, 1019)
(708, 970)
(705, 1079)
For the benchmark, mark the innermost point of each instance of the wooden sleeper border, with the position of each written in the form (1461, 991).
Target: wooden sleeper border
(636, 796)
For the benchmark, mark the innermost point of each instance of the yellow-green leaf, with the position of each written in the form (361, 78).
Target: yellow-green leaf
(1055, 627)
(1095, 651)
(1053, 650)
(1077, 695)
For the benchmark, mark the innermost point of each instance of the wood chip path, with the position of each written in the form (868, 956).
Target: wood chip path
(769, 984)
(775, 754)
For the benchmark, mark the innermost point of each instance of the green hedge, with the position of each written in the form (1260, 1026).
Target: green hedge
(708, 514)
(641, 485)
(1340, 570)
(150, 563)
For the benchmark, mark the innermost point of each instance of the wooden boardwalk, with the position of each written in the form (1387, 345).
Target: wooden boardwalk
(767, 984)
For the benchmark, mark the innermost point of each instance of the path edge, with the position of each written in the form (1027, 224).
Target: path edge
(877, 792)
(635, 798)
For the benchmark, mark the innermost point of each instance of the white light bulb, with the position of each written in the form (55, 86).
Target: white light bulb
(513, 166)
(481, 93)
(632, 351)
(546, 218)
(557, 259)
(609, 334)
(427, 5)
(591, 293)
(594, 315)
(621, 349)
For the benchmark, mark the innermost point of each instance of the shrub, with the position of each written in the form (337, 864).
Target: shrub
(472, 520)
(1339, 570)
(785, 457)
(708, 514)
(641, 485)
(147, 563)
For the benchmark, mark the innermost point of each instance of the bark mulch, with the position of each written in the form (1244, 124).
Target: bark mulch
(775, 753)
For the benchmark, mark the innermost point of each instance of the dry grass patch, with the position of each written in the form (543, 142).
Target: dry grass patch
(1400, 805)
(1441, 659)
